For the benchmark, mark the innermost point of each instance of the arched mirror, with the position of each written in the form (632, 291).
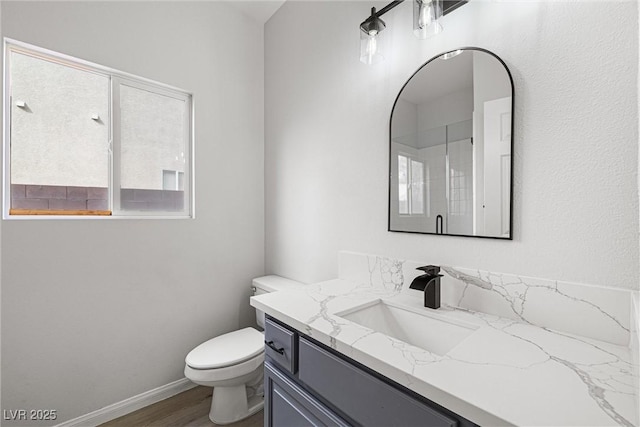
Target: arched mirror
(451, 145)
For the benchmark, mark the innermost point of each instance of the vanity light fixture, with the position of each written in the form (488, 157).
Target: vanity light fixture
(370, 30)
(370, 33)
(427, 15)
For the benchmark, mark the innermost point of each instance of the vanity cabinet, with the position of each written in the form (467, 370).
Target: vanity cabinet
(288, 405)
(307, 383)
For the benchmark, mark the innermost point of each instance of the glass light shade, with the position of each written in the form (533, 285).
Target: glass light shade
(427, 15)
(370, 47)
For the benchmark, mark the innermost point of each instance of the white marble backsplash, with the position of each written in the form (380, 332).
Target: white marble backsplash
(590, 311)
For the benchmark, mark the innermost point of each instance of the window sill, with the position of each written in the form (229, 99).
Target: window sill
(57, 212)
(31, 214)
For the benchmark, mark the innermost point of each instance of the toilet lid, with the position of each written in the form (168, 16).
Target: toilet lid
(226, 350)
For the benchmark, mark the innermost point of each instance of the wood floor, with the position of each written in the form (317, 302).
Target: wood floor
(187, 409)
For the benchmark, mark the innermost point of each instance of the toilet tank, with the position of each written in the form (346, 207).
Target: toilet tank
(266, 284)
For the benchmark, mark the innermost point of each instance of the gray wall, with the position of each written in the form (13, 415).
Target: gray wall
(575, 67)
(96, 311)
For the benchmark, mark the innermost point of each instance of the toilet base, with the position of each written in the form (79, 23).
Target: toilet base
(238, 390)
(231, 404)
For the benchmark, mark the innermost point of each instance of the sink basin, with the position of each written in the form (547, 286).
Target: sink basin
(411, 325)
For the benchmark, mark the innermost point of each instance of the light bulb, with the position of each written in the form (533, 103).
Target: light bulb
(426, 15)
(372, 44)
(426, 18)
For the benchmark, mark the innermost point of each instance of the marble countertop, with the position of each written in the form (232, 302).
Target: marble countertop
(506, 372)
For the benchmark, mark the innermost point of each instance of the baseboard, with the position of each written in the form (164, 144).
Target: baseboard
(129, 405)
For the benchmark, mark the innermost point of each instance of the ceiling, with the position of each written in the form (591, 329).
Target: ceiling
(260, 10)
(440, 78)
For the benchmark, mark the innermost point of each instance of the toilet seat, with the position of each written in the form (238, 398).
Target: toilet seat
(227, 350)
(223, 374)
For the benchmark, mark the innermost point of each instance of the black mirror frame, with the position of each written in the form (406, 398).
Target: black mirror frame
(512, 149)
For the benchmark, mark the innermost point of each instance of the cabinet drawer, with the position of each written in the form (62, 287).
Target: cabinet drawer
(281, 345)
(367, 399)
(287, 405)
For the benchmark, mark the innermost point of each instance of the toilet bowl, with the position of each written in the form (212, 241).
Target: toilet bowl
(232, 363)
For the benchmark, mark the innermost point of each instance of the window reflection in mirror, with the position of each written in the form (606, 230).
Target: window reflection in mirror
(450, 148)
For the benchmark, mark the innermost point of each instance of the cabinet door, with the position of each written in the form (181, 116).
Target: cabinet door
(287, 405)
(364, 398)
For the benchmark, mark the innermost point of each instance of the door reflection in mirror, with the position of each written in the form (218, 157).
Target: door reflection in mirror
(450, 148)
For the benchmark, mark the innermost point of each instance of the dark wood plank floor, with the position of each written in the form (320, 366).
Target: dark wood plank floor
(187, 409)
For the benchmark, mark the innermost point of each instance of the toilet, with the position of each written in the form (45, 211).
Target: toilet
(232, 363)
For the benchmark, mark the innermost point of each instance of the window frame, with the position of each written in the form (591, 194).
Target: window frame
(115, 78)
(177, 176)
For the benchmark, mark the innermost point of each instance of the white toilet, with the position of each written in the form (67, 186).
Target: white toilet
(233, 363)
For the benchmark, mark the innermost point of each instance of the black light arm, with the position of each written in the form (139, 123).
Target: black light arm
(387, 8)
(373, 22)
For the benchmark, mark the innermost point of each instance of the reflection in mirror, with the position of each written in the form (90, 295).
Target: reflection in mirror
(450, 148)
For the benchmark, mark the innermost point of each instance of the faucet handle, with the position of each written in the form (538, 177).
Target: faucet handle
(431, 270)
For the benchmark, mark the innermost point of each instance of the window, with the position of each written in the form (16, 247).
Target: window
(82, 139)
(410, 186)
(172, 180)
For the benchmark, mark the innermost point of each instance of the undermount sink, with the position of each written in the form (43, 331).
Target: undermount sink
(410, 325)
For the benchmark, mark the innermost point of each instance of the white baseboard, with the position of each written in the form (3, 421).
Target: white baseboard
(129, 405)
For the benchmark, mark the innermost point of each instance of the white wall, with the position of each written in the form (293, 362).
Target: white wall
(576, 135)
(93, 311)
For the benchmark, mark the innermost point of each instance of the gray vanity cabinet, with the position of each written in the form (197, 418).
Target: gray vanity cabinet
(368, 400)
(288, 405)
(309, 384)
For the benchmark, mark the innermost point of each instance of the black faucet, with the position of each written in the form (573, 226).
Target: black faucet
(430, 284)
